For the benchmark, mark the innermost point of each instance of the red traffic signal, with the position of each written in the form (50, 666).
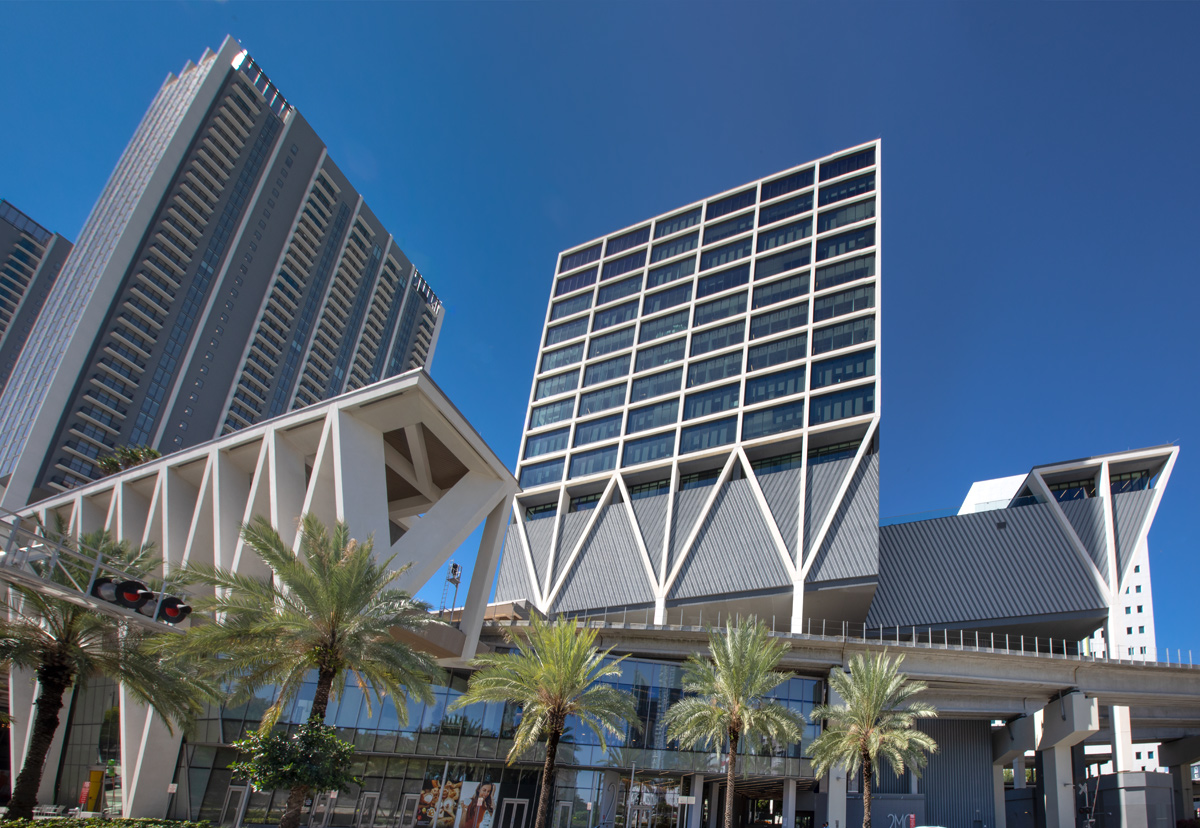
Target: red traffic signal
(173, 609)
(133, 594)
(136, 596)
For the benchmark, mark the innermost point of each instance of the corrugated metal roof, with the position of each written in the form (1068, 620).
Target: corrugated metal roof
(651, 513)
(513, 584)
(823, 482)
(782, 491)
(734, 551)
(1087, 518)
(570, 527)
(683, 519)
(966, 569)
(540, 534)
(1129, 510)
(609, 570)
(851, 548)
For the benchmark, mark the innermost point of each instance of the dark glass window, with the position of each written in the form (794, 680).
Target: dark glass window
(609, 369)
(674, 247)
(545, 510)
(562, 357)
(645, 450)
(579, 258)
(593, 431)
(541, 473)
(539, 444)
(846, 189)
(677, 222)
(828, 454)
(610, 342)
(769, 266)
(664, 299)
(787, 417)
(625, 264)
(584, 503)
(731, 204)
(698, 480)
(663, 326)
(719, 309)
(779, 463)
(845, 243)
(844, 302)
(788, 233)
(851, 213)
(784, 209)
(654, 488)
(726, 279)
(567, 284)
(594, 402)
(784, 319)
(719, 337)
(656, 385)
(671, 272)
(726, 254)
(726, 229)
(552, 413)
(770, 386)
(712, 401)
(852, 402)
(781, 291)
(619, 290)
(628, 241)
(652, 416)
(717, 368)
(707, 435)
(567, 307)
(787, 184)
(593, 462)
(567, 330)
(843, 369)
(847, 271)
(777, 352)
(657, 355)
(844, 335)
(848, 164)
(614, 316)
(559, 384)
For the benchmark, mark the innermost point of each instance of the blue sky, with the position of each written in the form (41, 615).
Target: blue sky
(1040, 176)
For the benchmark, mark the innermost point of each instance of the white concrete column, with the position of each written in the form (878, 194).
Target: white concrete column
(149, 752)
(46, 790)
(610, 794)
(1059, 787)
(1019, 772)
(998, 807)
(1061, 725)
(491, 546)
(660, 609)
(1122, 738)
(714, 801)
(789, 803)
(835, 781)
(1181, 786)
(695, 810)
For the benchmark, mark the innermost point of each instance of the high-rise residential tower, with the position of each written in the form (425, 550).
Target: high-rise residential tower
(708, 378)
(30, 260)
(228, 273)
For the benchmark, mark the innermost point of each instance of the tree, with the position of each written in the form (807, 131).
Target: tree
(725, 697)
(556, 672)
(65, 644)
(329, 608)
(874, 721)
(312, 757)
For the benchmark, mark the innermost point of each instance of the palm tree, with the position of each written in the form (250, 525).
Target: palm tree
(556, 672)
(329, 608)
(874, 721)
(64, 644)
(725, 697)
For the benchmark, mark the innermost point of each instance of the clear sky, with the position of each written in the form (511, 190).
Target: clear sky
(1040, 194)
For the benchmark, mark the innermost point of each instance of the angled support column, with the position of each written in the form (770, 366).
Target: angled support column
(1061, 725)
(491, 545)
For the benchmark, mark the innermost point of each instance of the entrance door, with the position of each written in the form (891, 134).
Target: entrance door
(318, 815)
(368, 806)
(512, 813)
(408, 810)
(640, 816)
(562, 815)
(233, 803)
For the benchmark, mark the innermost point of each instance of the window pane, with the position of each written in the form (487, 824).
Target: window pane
(677, 222)
(658, 355)
(847, 189)
(557, 384)
(602, 400)
(840, 304)
(610, 369)
(567, 307)
(562, 357)
(614, 316)
(781, 291)
(770, 266)
(726, 279)
(847, 164)
(781, 384)
(845, 243)
(567, 330)
(729, 228)
(576, 281)
(647, 449)
(788, 233)
(619, 290)
(664, 299)
(707, 435)
(773, 420)
(593, 431)
(833, 219)
(663, 326)
(551, 413)
(784, 319)
(847, 271)
(717, 368)
(541, 473)
(731, 204)
(850, 403)
(795, 181)
(725, 255)
(579, 258)
(671, 272)
(615, 341)
(656, 385)
(712, 401)
(784, 209)
(628, 241)
(719, 309)
(674, 247)
(652, 416)
(844, 335)
(777, 353)
(593, 462)
(545, 443)
(843, 369)
(623, 265)
(722, 337)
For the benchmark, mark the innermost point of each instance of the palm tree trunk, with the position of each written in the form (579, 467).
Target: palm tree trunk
(548, 780)
(730, 777)
(295, 800)
(868, 773)
(54, 681)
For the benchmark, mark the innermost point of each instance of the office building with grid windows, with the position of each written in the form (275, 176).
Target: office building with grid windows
(228, 273)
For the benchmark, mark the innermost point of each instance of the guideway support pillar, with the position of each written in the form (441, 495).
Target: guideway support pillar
(1059, 726)
(1009, 745)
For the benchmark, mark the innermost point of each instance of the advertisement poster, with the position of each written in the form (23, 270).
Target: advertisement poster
(477, 805)
(438, 806)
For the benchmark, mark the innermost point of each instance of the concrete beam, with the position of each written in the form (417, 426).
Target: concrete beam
(1067, 721)
(1014, 740)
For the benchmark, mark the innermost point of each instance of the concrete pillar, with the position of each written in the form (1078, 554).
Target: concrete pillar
(1122, 738)
(1059, 726)
(835, 781)
(610, 795)
(149, 753)
(714, 803)
(998, 807)
(1019, 772)
(1181, 786)
(789, 803)
(1179, 755)
(696, 809)
(1059, 787)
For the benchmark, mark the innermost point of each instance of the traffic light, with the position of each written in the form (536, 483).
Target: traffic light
(136, 596)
